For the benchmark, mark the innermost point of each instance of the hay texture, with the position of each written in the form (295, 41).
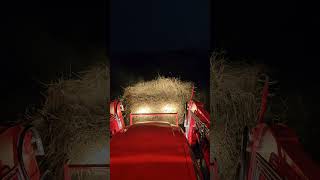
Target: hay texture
(235, 95)
(73, 120)
(157, 94)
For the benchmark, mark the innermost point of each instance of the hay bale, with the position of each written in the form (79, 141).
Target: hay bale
(235, 93)
(157, 94)
(73, 120)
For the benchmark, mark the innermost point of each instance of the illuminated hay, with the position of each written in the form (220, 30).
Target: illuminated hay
(167, 118)
(157, 96)
(73, 121)
(235, 94)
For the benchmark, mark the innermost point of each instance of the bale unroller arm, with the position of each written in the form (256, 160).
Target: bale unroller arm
(197, 126)
(116, 118)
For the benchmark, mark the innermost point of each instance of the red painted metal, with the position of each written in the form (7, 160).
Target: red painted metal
(153, 150)
(158, 150)
(66, 172)
(258, 130)
(197, 125)
(190, 128)
(132, 115)
(278, 152)
(16, 141)
(202, 113)
(196, 112)
(116, 118)
(288, 160)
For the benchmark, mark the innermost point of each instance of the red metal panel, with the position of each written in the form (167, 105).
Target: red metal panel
(66, 172)
(116, 118)
(151, 151)
(28, 162)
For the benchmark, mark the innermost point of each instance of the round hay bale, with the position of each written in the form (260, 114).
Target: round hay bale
(73, 120)
(235, 93)
(157, 96)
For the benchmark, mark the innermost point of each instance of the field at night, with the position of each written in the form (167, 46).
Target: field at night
(167, 89)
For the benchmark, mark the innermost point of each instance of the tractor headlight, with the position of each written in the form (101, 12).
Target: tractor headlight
(143, 109)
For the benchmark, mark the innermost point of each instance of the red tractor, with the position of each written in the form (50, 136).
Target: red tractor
(160, 149)
(20, 147)
(272, 151)
(163, 150)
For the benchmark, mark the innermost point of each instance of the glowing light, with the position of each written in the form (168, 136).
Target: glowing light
(193, 107)
(169, 108)
(143, 110)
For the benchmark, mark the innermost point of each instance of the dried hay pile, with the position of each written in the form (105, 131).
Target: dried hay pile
(235, 92)
(156, 94)
(73, 121)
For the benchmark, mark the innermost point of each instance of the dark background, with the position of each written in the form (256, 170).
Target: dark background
(41, 42)
(170, 38)
(285, 36)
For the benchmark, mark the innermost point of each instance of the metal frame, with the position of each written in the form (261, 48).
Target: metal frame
(258, 131)
(15, 172)
(152, 114)
(18, 134)
(68, 167)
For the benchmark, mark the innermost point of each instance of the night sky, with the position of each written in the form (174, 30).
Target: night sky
(148, 26)
(40, 42)
(170, 38)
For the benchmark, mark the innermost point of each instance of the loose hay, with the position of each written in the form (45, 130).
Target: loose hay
(156, 94)
(235, 94)
(73, 121)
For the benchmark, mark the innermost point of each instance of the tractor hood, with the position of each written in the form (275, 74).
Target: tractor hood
(152, 150)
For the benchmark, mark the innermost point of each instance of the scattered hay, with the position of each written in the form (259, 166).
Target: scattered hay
(73, 120)
(156, 94)
(235, 92)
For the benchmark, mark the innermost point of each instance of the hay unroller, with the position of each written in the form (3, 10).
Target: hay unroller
(73, 120)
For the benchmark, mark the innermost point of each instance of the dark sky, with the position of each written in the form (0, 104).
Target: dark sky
(39, 42)
(170, 38)
(280, 33)
(160, 25)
